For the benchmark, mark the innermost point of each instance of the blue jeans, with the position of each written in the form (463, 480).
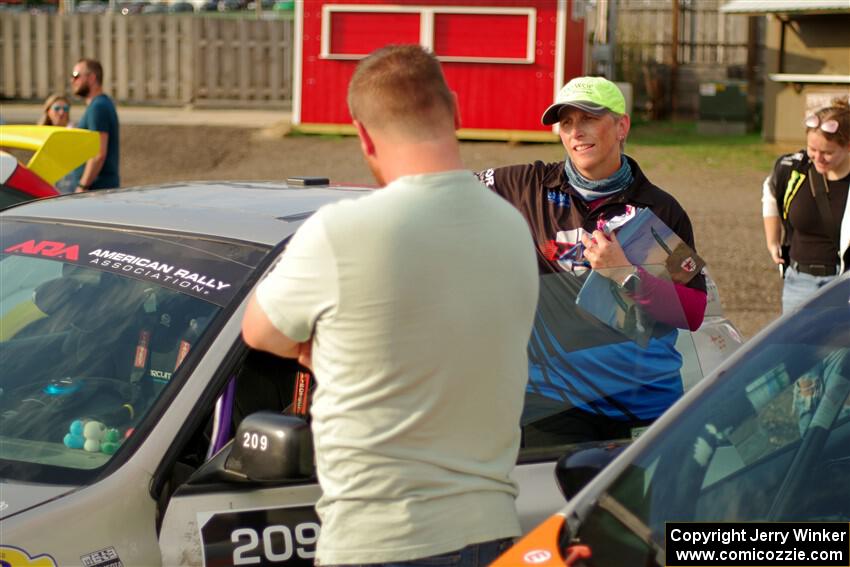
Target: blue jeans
(798, 287)
(475, 555)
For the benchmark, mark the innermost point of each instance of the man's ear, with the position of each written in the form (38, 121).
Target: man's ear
(457, 110)
(366, 142)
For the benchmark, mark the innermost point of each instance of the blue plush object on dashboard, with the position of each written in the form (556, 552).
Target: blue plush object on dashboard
(74, 438)
(62, 386)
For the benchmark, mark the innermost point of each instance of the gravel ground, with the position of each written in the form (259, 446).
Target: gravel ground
(723, 202)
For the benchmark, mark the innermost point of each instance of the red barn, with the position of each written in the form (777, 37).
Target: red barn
(505, 59)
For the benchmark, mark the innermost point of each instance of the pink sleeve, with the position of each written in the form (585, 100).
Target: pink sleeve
(675, 304)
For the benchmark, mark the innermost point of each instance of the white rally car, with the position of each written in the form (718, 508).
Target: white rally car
(136, 428)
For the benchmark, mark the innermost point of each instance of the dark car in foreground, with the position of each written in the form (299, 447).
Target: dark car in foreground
(135, 425)
(766, 438)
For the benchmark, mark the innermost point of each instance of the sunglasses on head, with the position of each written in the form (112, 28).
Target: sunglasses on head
(62, 107)
(828, 126)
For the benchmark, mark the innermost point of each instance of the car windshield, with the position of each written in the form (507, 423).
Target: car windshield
(768, 440)
(95, 326)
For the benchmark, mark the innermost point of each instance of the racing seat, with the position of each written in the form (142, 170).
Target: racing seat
(165, 330)
(122, 329)
(78, 317)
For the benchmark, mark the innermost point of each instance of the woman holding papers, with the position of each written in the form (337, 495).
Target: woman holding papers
(602, 374)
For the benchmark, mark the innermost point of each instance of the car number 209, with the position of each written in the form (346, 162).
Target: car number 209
(278, 543)
(277, 536)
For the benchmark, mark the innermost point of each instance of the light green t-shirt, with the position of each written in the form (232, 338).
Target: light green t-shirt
(420, 299)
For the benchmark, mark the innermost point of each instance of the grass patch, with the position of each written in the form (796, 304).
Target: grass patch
(682, 141)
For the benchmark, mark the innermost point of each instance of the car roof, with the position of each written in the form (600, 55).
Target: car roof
(259, 212)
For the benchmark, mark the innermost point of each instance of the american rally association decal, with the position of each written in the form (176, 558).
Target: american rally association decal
(11, 556)
(165, 273)
(213, 271)
(106, 557)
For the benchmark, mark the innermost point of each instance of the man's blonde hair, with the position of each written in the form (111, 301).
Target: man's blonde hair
(401, 88)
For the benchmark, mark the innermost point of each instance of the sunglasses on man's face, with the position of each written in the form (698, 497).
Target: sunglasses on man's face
(76, 75)
(828, 126)
(61, 107)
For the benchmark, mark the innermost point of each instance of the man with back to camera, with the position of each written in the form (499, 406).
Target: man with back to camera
(101, 171)
(586, 381)
(414, 306)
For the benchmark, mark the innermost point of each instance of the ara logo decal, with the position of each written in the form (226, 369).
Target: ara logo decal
(48, 248)
(14, 556)
(537, 556)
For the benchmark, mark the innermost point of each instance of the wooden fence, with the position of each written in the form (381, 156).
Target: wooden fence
(159, 58)
(706, 35)
(710, 46)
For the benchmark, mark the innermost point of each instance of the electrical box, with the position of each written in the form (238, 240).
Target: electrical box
(723, 107)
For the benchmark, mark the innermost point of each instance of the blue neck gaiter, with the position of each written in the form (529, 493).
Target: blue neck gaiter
(590, 190)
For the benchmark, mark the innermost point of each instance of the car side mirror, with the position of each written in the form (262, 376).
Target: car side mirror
(582, 462)
(270, 446)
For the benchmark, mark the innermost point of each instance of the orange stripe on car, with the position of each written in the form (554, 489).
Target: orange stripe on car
(538, 549)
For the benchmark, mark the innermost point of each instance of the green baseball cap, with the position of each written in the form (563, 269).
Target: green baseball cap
(591, 94)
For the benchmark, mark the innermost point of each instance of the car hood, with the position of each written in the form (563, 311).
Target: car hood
(19, 496)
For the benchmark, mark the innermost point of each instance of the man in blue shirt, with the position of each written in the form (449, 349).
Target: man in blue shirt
(101, 171)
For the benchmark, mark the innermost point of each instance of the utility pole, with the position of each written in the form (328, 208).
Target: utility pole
(674, 58)
(752, 62)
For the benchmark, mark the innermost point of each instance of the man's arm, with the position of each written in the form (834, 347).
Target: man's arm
(259, 333)
(94, 165)
(297, 292)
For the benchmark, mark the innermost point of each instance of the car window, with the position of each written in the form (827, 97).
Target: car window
(597, 351)
(599, 331)
(95, 326)
(769, 440)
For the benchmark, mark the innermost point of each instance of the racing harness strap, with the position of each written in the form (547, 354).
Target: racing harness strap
(301, 395)
(140, 361)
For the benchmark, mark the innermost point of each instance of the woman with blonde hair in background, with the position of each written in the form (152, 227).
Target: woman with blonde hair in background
(56, 112)
(806, 209)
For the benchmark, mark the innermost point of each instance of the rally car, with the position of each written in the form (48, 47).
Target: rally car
(56, 152)
(765, 438)
(136, 428)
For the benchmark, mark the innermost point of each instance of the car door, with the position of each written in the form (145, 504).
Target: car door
(211, 519)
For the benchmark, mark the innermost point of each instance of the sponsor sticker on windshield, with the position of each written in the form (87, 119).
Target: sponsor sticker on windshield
(178, 263)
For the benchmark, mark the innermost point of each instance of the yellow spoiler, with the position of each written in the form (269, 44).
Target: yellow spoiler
(57, 150)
